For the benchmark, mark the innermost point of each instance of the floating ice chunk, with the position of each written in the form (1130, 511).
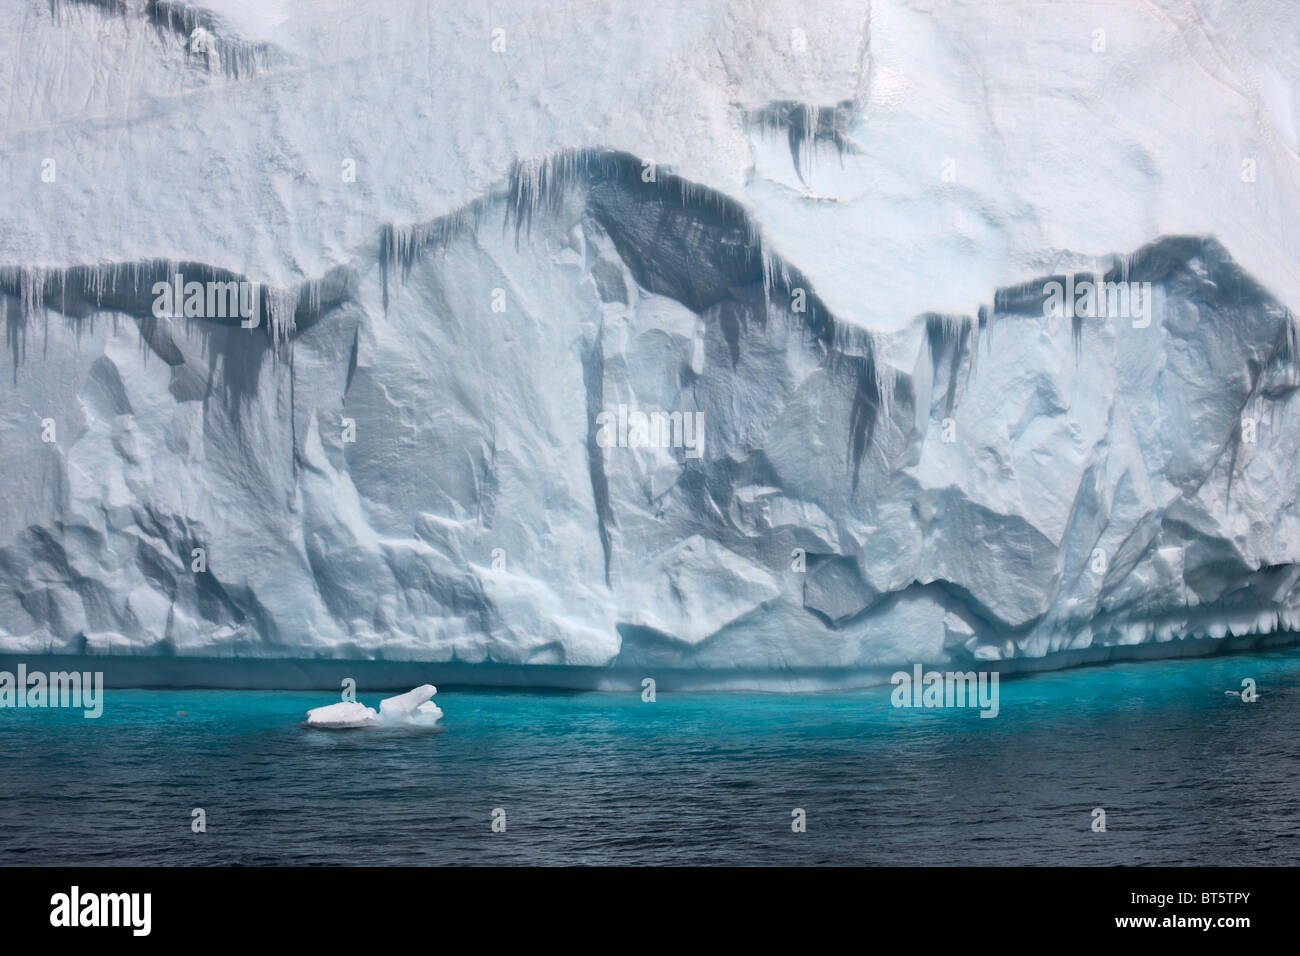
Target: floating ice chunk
(426, 715)
(412, 708)
(342, 715)
(396, 708)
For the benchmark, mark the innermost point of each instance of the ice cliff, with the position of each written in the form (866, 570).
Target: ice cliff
(419, 450)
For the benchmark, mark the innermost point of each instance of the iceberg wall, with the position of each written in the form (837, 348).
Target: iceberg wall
(407, 465)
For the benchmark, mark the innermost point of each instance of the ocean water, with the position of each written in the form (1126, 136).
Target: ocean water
(1185, 774)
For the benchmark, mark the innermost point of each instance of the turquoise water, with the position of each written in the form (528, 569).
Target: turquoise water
(1185, 774)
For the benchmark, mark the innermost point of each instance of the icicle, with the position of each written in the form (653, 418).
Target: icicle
(885, 377)
(776, 274)
(32, 279)
(806, 127)
(313, 297)
(536, 185)
(15, 333)
(280, 313)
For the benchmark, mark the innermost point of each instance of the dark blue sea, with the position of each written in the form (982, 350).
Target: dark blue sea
(1184, 773)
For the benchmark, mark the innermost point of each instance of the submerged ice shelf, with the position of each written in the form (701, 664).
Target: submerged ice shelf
(408, 457)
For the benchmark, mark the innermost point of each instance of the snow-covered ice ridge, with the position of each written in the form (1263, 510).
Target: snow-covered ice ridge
(904, 458)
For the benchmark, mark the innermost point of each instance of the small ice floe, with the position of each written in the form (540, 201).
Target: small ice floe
(342, 716)
(412, 709)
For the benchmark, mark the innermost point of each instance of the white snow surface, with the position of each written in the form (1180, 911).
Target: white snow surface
(401, 471)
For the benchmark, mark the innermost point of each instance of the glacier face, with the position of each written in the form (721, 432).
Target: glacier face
(421, 452)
